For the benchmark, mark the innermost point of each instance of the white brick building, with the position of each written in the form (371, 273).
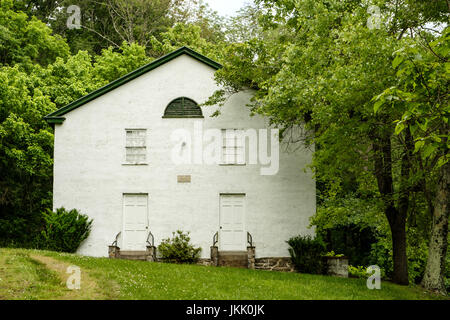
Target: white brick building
(114, 162)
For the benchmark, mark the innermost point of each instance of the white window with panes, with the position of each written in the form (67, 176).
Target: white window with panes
(136, 146)
(233, 147)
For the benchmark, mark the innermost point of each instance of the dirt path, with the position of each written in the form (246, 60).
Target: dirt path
(89, 288)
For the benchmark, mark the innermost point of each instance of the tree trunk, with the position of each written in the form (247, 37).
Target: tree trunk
(437, 251)
(397, 223)
(396, 218)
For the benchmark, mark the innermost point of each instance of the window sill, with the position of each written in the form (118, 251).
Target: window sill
(134, 164)
(232, 164)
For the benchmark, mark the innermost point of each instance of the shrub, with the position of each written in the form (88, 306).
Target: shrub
(357, 272)
(355, 225)
(361, 272)
(333, 254)
(178, 249)
(306, 253)
(64, 230)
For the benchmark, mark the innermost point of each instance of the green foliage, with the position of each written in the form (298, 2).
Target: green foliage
(307, 254)
(190, 35)
(417, 252)
(244, 25)
(108, 23)
(26, 150)
(423, 77)
(66, 80)
(349, 224)
(320, 66)
(178, 249)
(351, 209)
(380, 253)
(40, 82)
(421, 91)
(64, 230)
(357, 228)
(333, 254)
(357, 272)
(26, 41)
(113, 64)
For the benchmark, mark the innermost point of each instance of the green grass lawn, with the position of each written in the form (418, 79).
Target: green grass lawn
(32, 274)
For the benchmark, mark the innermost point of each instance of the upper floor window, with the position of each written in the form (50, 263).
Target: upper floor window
(136, 146)
(183, 108)
(233, 147)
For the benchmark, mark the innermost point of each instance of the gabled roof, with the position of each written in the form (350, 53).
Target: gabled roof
(57, 116)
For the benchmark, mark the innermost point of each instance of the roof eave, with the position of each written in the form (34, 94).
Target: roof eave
(56, 117)
(54, 120)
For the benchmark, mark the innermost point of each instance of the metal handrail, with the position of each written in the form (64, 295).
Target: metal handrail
(215, 238)
(249, 239)
(150, 234)
(114, 244)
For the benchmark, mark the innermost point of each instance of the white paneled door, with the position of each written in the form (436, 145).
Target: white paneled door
(135, 221)
(232, 230)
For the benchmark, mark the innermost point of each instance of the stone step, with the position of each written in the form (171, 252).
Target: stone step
(136, 258)
(237, 259)
(133, 255)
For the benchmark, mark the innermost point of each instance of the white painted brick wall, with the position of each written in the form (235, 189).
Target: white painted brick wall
(89, 173)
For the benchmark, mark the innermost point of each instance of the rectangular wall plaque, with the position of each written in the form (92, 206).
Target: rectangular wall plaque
(184, 179)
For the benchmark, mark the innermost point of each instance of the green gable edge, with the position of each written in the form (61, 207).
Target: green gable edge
(56, 117)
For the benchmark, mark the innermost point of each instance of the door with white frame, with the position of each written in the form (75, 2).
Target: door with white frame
(135, 222)
(232, 228)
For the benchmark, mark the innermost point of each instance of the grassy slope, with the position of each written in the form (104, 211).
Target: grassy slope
(24, 278)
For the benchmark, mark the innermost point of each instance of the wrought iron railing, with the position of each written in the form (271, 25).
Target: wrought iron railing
(150, 236)
(114, 244)
(249, 239)
(215, 238)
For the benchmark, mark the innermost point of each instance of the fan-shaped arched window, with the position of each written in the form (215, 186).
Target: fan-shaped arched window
(183, 108)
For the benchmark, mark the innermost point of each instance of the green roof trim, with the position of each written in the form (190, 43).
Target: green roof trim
(55, 120)
(56, 117)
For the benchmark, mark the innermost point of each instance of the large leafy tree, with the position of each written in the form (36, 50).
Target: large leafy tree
(320, 66)
(27, 41)
(423, 76)
(26, 142)
(26, 145)
(189, 35)
(109, 23)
